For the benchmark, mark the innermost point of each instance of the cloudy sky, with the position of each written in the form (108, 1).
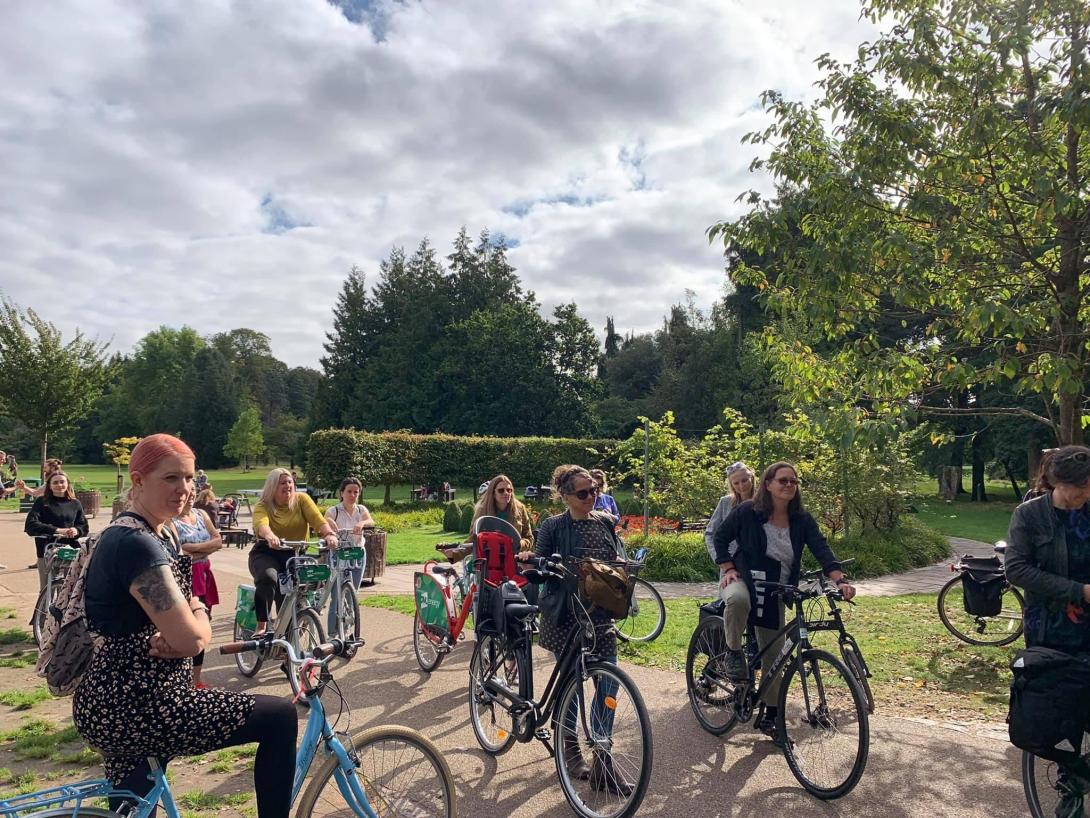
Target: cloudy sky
(223, 164)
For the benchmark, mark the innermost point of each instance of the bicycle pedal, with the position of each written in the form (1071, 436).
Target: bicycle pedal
(543, 734)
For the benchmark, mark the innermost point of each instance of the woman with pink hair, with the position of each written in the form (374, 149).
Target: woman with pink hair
(137, 697)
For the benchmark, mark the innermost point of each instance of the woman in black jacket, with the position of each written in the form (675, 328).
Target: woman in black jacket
(57, 513)
(771, 530)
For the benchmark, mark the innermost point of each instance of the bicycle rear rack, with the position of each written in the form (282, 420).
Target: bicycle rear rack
(57, 796)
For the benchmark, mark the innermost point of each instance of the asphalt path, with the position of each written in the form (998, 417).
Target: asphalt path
(916, 768)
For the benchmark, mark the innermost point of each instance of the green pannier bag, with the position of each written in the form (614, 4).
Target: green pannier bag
(244, 608)
(431, 604)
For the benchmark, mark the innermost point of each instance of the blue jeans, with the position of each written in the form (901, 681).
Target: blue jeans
(601, 717)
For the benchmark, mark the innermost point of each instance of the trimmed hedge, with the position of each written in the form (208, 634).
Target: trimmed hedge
(683, 557)
(389, 458)
(452, 516)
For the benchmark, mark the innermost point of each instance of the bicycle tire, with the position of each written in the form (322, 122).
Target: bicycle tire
(248, 662)
(306, 622)
(1039, 778)
(346, 624)
(37, 619)
(854, 662)
(428, 656)
(834, 685)
(644, 627)
(65, 812)
(365, 742)
(1002, 637)
(709, 693)
(562, 744)
(486, 715)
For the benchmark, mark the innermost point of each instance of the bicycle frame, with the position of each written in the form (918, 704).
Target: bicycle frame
(456, 619)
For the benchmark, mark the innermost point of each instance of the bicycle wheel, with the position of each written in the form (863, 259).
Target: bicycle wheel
(493, 724)
(646, 614)
(306, 634)
(1039, 779)
(854, 662)
(425, 646)
(65, 812)
(345, 624)
(249, 662)
(711, 695)
(37, 620)
(400, 772)
(617, 748)
(823, 725)
(1001, 629)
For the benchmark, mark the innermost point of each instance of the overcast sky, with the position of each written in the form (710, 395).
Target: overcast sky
(223, 164)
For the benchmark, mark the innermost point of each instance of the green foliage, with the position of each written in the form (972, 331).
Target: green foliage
(245, 439)
(47, 384)
(13, 636)
(25, 699)
(400, 457)
(466, 522)
(395, 521)
(452, 516)
(38, 738)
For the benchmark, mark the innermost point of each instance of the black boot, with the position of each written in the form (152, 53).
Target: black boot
(575, 763)
(604, 775)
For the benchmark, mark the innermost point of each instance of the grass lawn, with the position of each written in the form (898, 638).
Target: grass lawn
(918, 668)
(415, 545)
(986, 522)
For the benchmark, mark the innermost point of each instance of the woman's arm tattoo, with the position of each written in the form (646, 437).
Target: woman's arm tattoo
(158, 589)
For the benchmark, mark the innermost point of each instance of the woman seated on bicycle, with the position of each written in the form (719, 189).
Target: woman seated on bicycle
(137, 697)
(580, 531)
(498, 500)
(57, 513)
(349, 513)
(1048, 555)
(281, 513)
(771, 531)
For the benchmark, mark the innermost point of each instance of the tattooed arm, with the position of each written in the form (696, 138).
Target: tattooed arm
(183, 626)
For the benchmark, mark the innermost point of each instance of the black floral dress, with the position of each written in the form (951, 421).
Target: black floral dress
(131, 705)
(595, 544)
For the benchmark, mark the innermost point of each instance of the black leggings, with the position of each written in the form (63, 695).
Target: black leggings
(265, 567)
(273, 724)
(198, 660)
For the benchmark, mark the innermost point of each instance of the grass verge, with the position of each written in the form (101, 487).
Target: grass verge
(25, 699)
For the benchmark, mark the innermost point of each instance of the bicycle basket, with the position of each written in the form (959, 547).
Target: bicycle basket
(606, 587)
(311, 573)
(983, 596)
(65, 554)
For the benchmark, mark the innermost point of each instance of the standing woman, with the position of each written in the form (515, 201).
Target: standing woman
(282, 513)
(137, 697)
(1048, 555)
(605, 502)
(350, 513)
(198, 537)
(771, 531)
(57, 513)
(580, 531)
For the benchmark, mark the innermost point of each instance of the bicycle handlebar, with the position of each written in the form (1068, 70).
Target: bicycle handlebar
(320, 654)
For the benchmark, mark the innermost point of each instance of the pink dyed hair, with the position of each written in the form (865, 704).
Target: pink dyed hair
(153, 448)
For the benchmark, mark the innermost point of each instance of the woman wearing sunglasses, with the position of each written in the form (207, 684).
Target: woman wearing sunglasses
(771, 531)
(498, 500)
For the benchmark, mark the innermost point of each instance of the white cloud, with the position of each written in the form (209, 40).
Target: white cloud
(223, 164)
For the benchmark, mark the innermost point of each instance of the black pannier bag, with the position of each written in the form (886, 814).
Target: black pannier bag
(982, 586)
(1050, 704)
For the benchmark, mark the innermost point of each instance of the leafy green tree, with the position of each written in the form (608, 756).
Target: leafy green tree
(211, 399)
(286, 438)
(245, 440)
(950, 191)
(46, 383)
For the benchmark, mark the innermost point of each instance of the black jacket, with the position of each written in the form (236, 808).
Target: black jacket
(50, 513)
(557, 535)
(746, 524)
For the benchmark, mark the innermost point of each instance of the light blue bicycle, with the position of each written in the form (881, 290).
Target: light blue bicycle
(372, 773)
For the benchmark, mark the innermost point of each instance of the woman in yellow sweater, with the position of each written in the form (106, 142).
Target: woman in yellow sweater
(281, 514)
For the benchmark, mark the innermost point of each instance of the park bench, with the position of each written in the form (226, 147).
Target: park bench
(686, 526)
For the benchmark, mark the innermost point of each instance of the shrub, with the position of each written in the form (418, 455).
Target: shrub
(683, 557)
(467, 520)
(388, 458)
(452, 517)
(395, 521)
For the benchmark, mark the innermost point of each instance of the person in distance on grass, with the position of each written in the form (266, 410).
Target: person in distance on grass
(771, 531)
(137, 697)
(281, 513)
(56, 514)
(1048, 555)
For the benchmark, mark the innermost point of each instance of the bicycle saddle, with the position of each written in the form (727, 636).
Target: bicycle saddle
(445, 570)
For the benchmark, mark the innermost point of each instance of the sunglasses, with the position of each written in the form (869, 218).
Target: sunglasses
(788, 481)
(583, 494)
(733, 467)
(505, 491)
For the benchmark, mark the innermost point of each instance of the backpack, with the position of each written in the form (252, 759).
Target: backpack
(68, 643)
(1050, 704)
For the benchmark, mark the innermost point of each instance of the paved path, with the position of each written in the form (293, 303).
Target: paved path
(917, 769)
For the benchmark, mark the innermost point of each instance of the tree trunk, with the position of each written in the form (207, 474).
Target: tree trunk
(45, 454)
(386, 501)
(979, 495)
(1014, 482)
(948, 482)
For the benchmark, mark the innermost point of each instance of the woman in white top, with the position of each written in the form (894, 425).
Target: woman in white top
(350, 514)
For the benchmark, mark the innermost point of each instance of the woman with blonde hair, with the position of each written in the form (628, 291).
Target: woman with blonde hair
(281, 513)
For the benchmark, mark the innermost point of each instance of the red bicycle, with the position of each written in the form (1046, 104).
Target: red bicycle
(444, 601)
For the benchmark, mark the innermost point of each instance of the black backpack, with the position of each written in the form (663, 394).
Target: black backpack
(1050, 704)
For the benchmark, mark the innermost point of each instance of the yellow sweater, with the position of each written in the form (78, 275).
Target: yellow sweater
(288, 524)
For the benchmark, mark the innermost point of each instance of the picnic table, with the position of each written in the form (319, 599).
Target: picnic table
(426, 494)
